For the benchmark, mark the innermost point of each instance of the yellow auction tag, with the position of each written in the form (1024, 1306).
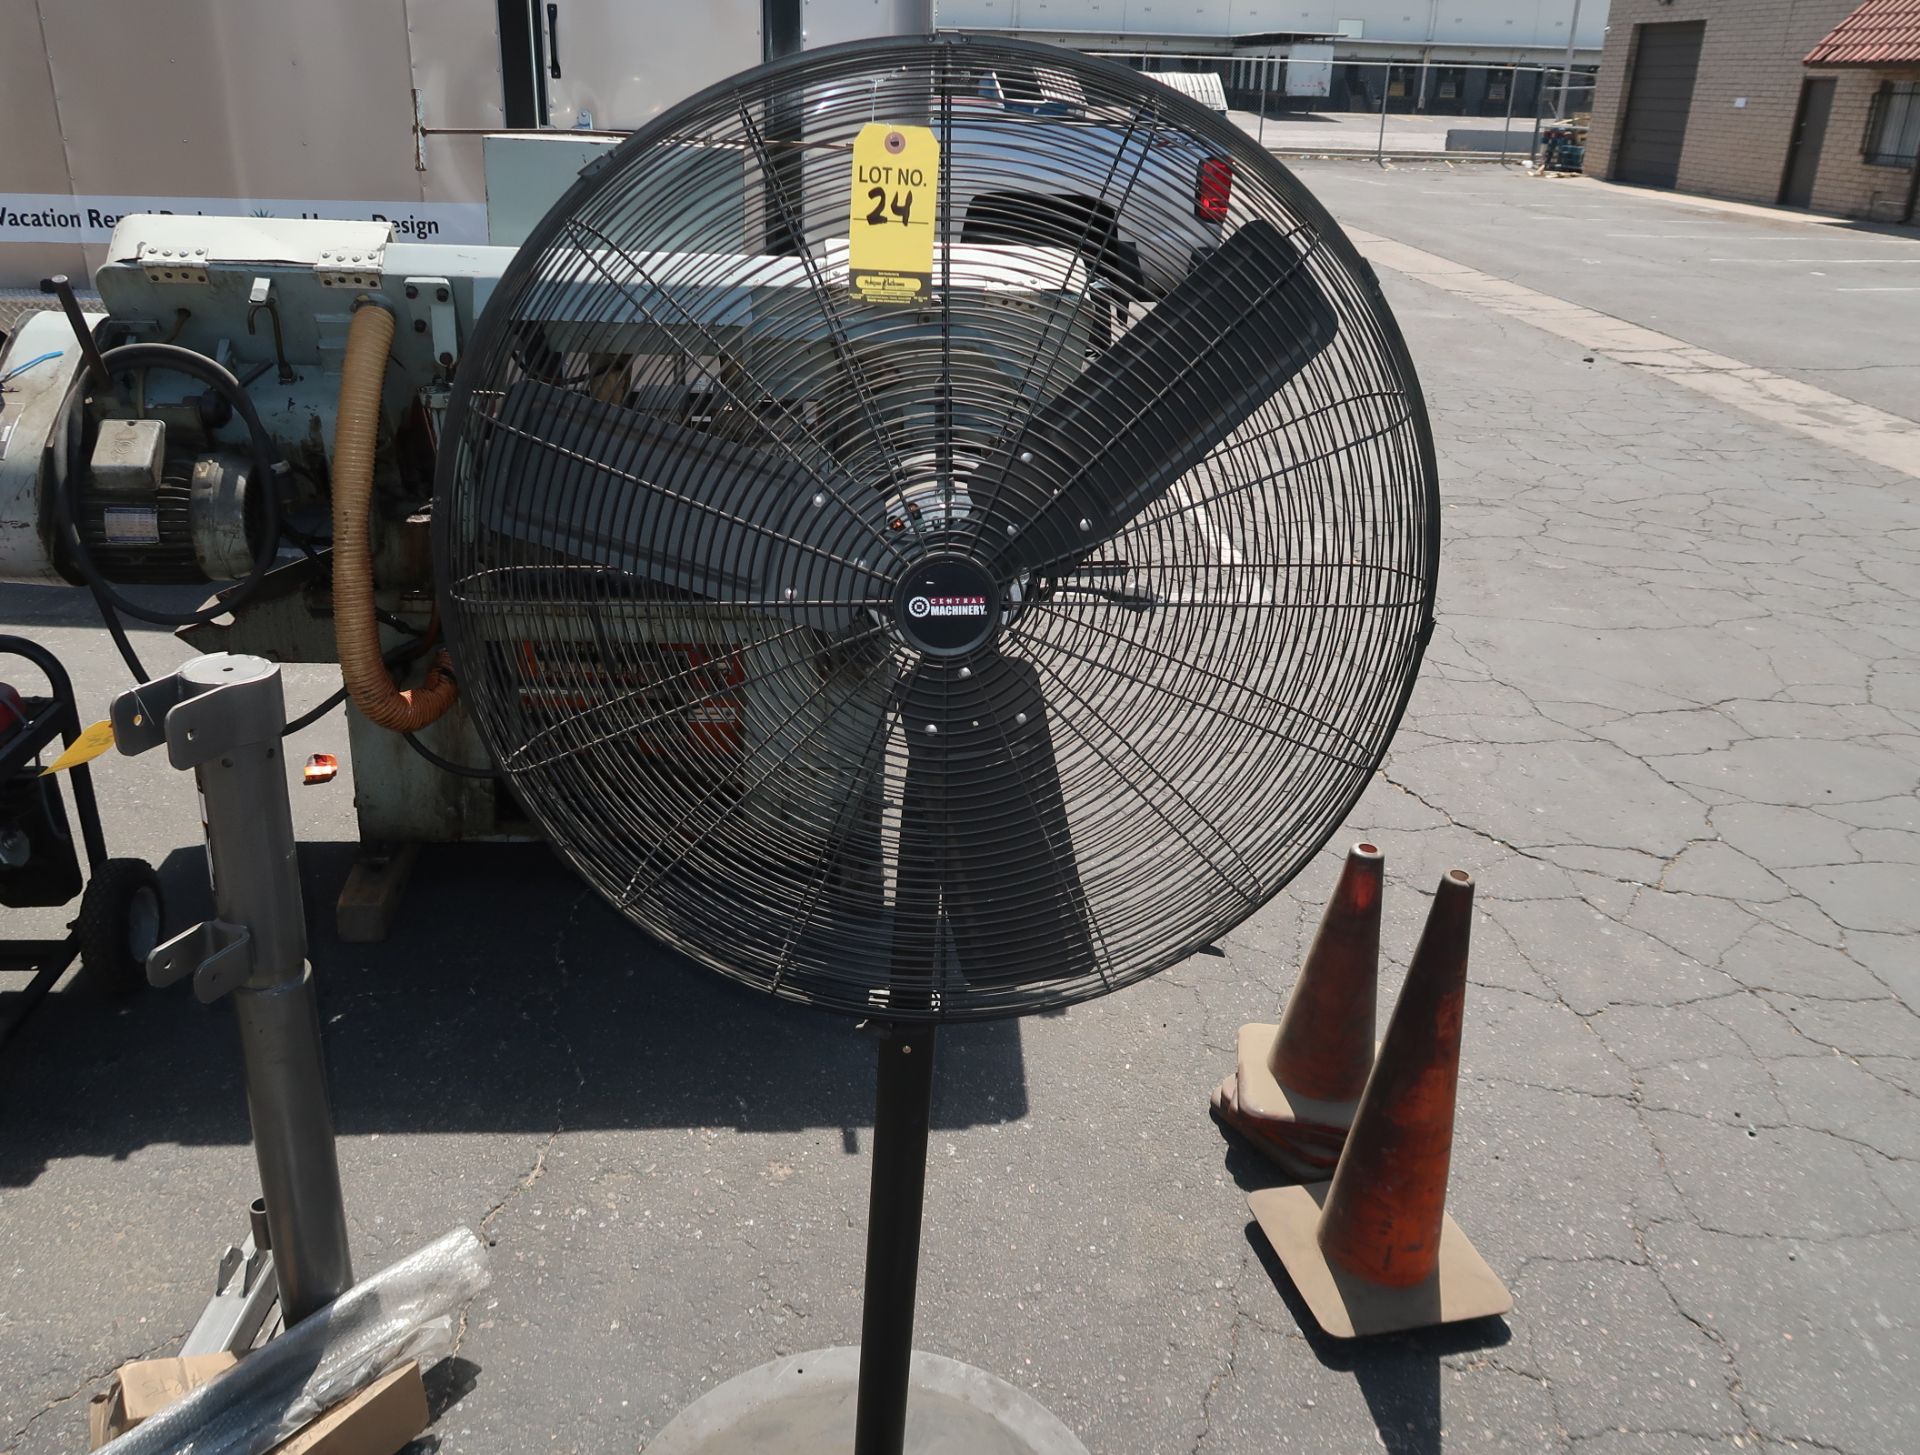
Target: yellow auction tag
(896, 185)
(89, 745)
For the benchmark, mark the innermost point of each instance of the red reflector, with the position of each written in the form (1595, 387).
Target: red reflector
(320, 768)
(1215, 190)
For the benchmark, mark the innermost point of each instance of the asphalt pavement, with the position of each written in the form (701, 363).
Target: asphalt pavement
(1828, 302)
(1670, 721)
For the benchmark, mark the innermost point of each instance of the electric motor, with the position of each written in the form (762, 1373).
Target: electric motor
(148, 518)
(155, 497)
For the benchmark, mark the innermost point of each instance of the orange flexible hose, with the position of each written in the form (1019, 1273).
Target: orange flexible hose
(356, 633)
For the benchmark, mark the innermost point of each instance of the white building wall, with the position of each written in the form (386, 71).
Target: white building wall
(1530, 24)
(1471, 22)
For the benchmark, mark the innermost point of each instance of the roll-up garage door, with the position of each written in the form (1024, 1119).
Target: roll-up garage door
(1659, 97)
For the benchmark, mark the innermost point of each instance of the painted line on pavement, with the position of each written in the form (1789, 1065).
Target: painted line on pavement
(1819, 414)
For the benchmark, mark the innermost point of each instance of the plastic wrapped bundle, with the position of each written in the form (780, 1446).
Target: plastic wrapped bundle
(403, 1312)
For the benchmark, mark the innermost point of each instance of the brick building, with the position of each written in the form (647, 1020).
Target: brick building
(1810, 103)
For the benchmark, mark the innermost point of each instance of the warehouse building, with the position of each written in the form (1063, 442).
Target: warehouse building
(1533, 32)
(1803, 103)
(1446, 57)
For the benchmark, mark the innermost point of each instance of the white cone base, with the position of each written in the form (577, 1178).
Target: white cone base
(804, 1405)
(1460, 1287)
(1262, 1096)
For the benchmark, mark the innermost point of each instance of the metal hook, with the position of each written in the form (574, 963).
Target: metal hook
(262, 297)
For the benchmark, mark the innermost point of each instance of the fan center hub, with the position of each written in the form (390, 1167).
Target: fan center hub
(947, 605)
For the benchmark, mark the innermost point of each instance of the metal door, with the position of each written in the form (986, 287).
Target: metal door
(1809, 137)
(1659, 97)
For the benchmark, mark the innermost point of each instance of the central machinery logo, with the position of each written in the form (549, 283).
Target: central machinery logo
(921, 607)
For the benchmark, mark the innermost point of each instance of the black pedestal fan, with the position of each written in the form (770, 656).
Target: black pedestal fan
(961, 657)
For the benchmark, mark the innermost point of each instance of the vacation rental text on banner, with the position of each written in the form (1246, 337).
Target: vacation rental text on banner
(41, 217)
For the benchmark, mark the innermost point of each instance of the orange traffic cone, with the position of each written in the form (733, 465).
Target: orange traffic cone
(1296, 1085)
(1303, 1157)
(1373, 1251)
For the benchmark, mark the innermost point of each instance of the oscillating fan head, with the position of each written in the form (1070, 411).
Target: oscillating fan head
(960, 652)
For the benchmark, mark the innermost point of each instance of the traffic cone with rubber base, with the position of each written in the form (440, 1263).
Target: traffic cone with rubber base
(1373, 1250)
(1296, 1085)
(1303, 1158)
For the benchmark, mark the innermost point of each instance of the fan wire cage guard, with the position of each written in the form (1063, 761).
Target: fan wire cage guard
(959, 658)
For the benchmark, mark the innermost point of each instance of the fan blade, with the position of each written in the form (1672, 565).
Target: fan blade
(615, 487)
(1246, 320)
(984, 839)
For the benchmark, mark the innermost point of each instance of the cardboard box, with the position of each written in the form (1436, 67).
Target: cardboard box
(142, 1389)
(377, 1421)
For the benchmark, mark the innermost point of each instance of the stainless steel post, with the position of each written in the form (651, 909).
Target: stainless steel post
(222, 716)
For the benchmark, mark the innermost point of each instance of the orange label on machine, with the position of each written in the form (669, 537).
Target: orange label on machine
(896, 189)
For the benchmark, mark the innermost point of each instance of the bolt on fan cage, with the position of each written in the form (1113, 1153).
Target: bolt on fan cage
(959, 658)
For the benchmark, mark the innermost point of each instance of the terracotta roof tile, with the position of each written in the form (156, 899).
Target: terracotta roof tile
(1879, 33)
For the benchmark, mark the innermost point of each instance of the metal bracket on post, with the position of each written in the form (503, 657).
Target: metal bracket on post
(430, 301)
(221, 716)
(218, 956)
(209, 707)
(243, 1294)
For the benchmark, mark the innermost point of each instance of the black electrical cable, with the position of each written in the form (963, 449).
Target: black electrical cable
(308, 542)
(113, 605)
(458, 770)
(403, 653)
(195, 366)
(118, 631)
(308, 718)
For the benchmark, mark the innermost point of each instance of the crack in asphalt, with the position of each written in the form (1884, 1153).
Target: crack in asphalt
(85, 1388)
(550, 997)
(1731, 862)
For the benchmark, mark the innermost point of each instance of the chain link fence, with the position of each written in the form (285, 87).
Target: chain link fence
(1314, 107)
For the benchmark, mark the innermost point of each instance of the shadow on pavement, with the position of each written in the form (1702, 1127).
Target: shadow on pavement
(506, 989)
(1901, 231)
(1398, 1374)
(1280, 114)
(448, 1382)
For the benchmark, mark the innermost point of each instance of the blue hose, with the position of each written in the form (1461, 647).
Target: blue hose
(15, 373)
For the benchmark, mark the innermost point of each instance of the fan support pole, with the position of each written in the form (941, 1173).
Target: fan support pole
(902, 1114)
(799, 1404)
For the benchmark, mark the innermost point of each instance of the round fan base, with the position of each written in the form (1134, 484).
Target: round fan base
(804, 1405)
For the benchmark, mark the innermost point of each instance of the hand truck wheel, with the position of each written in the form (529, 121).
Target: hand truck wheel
(121, 914)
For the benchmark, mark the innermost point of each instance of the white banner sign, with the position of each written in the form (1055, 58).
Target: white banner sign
(41, 217)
